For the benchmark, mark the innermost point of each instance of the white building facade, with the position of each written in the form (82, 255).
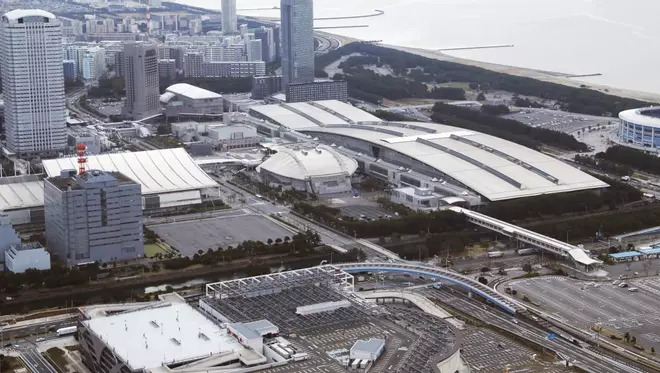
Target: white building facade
(19, 258)
(229, 19)
(33, 82)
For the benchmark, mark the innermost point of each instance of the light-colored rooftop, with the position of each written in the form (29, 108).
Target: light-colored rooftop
(158, 171)
(495, 168)
(149, 338)
(313, 114)
(349, 111)
(284, 116)
(21, 195)
(301, 164)
(637, 116)
(191, 91)
(20, 13)
(372, 345)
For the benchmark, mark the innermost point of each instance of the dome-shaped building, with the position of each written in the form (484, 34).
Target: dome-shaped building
(319, 170)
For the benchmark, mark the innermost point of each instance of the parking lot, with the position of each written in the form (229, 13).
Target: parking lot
(583, 304)
(557, 120)
(190, 236)
(366, 211)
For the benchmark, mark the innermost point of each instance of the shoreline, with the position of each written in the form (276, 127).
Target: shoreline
(547, 76)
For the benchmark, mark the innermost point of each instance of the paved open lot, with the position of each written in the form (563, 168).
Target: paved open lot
(190, 236)
(557, 120)
(617, 309)
(371, 212)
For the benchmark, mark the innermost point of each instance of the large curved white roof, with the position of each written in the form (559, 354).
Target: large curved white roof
(637, 116)
(21, 195)
(20, 13)
(191, 91)
(303, 164)
(158, 171)
(493, 167)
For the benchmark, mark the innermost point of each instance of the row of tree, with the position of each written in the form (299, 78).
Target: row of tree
(603, 165)
(508, 129)
(632, 158)
(579, 100)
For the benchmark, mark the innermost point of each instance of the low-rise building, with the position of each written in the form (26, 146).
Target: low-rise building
(8, 235)
(91, 141)
(21, 257)
(421, 199)
(367, 350)
(183, 98)
(234, 69)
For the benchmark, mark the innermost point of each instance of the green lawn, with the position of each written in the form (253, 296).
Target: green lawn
(151, 249)
(465, 86)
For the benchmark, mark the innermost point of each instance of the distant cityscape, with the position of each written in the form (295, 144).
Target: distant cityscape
(192, 191)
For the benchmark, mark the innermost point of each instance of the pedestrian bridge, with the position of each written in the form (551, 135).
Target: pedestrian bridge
(451, 277)
(563, 249)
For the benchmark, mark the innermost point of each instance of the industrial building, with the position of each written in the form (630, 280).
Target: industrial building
(319, 170)
(640, 128)
(8, 236)
(21, 200)
(33, 82)
(91, 141)
(220, 135)
(21, 257)
(183, 98)
(93, 216)
(368, 350)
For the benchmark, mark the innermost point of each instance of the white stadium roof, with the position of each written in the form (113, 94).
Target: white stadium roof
(149, 338)
(158, 171)
(495, 168)
(191, 91)
(302, 164)
(637, 116)
(313, 114)
(20, 13)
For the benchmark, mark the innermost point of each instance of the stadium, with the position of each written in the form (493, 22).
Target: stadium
(319, 170)
(447, 160)
(640, 127)
(170, 178)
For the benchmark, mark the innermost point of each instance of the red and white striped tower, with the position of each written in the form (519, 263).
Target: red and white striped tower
(82, 160)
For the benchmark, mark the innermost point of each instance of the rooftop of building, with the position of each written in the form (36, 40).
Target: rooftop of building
(150, 338)
(26, 246)
(20, 192)
(313, 114)
(193, 92)
(371, 345)
(91, 176)
(493, 167)
(21, 13)
(301, 164)
(649, 116)
(158, 171)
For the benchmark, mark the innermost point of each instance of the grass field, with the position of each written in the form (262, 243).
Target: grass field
(151, 249)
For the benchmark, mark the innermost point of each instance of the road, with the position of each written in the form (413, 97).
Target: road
(36, 363)
(583, 357)
(39, 328)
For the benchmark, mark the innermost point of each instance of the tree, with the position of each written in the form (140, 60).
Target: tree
(287, 239)
(633, 340)
(626, 337)
(481, 97)
(270, 241)
(527, 267)
(473, 86)
(653, 350)
(483, 280)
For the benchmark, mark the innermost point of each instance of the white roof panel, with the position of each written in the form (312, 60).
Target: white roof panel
(301, 164)
(349, 111)
(20, 13)
(149, 338)
(21, 195)
(284, 117)
(316, 113)
(158, 171)
(191, 91)
(636, 116)
(471, 162)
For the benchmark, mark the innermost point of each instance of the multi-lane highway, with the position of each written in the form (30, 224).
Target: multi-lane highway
(36, 363)
(580, 356)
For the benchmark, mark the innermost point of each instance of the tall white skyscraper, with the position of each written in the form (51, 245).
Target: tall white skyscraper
(33, 82)
(229, 20)
(254, 50)
(297, 22)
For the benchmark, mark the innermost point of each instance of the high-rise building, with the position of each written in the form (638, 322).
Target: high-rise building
(317, 91)
(297, 22)
(167, 69)
(69, 69)
(229, 19)
(94, 216)
(33, 82)
(254, 50)
(267, 37)
(141, 77)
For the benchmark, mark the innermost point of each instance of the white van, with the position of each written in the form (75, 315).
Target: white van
(633, 290)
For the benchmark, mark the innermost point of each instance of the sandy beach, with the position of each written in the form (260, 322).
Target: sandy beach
(519, 71)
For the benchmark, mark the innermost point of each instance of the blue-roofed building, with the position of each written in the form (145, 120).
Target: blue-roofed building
(653, 251)
(626, 256)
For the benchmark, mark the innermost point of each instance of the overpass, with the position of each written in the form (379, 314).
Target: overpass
(451, 277)
(563, 249)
